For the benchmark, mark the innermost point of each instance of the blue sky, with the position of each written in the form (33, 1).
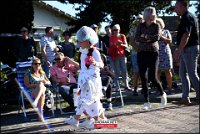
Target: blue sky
(68, 8)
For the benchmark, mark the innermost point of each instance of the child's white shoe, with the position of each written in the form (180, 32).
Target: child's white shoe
(86, 123)
(72, 121)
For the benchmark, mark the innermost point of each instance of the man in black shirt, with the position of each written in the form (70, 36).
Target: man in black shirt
(24, 46)
(105, 39)
(188, 50)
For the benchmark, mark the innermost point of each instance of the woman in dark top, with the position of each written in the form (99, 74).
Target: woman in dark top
(147, 34)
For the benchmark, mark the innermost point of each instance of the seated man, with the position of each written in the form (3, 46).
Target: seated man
(107, 75)
(62, 73)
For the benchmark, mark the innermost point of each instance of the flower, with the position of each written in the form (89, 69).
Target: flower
(88, 61)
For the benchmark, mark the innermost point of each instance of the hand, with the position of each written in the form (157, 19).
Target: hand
(119, 42)
(92, 60)
(176, 55)
(48, 63)
(142, 35)
(106, 68)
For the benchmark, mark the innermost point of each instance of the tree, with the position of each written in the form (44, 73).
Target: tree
(16, 14)
(121, 11)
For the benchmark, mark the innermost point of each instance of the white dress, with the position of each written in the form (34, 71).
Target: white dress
(89, 81)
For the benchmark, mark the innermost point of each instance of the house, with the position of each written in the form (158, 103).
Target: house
(47, 15)
(44, 15)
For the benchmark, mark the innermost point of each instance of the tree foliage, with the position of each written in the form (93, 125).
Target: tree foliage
(120, 11)
(16, 14)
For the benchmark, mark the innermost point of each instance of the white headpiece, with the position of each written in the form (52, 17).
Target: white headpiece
(87, 33)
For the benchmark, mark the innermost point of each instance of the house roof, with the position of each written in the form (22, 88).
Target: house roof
(53, 9)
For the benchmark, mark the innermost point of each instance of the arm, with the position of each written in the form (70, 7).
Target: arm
(111, 73)
(70, 61)
(154, 36)
(184, 41)
(133, 43)
(138, 37)
(123, 42)
(34, 46)
(46, 81)
(27, 83)
(168, 39)
(97, 61)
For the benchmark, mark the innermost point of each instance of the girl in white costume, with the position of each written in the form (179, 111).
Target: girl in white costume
(89, 79)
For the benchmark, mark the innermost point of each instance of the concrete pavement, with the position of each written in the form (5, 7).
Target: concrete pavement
(131, 118)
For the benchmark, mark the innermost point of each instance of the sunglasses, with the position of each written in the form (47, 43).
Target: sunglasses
(57, 59)
(115, 29)
(23, 31)
(37, 63)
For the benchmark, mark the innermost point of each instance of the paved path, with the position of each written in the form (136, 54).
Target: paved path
(131, 119)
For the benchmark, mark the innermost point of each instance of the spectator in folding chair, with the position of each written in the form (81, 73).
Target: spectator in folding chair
(107, 74)
(62, 73)
(35, 80)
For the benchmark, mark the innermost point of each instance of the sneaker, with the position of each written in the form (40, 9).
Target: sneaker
(109, 107)
(86, 123)
(183, 102)
(72, 121)
(164, 99)
(147, 106)
(91, 126)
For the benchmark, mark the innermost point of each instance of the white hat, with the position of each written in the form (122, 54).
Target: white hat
(116, 26)
(87, 33)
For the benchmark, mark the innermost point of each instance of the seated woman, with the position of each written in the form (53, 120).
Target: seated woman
(107, 75)
(35, 80)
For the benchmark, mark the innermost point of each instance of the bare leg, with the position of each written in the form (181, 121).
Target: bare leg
(40, 89)
(77, 117)
(168, 75)
(41, 102)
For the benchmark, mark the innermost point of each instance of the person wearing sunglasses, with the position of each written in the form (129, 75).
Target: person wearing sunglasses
(62, 73)
(116, 51)
(35, 80)
(24, 46)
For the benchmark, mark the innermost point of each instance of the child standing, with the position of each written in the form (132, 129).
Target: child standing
(89, 79)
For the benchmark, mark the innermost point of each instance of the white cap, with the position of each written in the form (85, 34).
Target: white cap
(116, 26)
(87, 33)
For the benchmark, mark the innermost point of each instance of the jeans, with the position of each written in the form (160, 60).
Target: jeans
(188, 70)
(107, 82)
(120, 69)
(66, 92)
